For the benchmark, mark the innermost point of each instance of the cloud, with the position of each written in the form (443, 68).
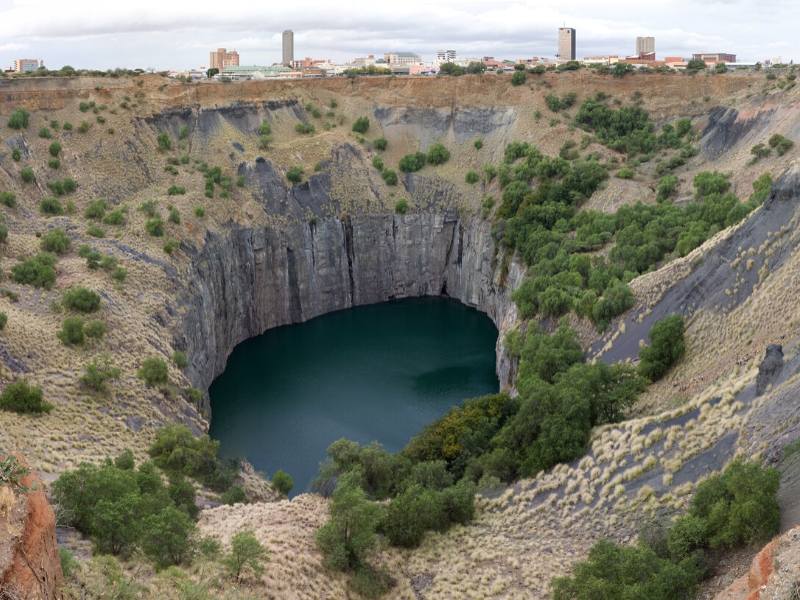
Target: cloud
(179, 33)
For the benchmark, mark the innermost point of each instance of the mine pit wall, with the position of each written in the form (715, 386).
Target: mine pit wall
(246, 280)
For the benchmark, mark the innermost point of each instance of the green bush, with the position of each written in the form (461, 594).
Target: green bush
(56, 241)
(295, 174)
(666, 188)
(55, 149)
(19, 119)
(81, 299)
(478, 144)
(472, 177)
(666, 347)
(412, 162)
(95, 210)
(98, 373)
(153, 371)
(626, 173)
(154, 226)
(233, 495)
(3, 320)
(401, 206)
(44, 133)
(8, 199)
(304, 128)
(38, 271)
(63, 186)
(27, 175)
(176, 190)
(781, 144)
(115, 217)
(20, 397)
(51, 206)
(164, 142)
(16, 155)
(380, 144)
(377, 162)
(760, 151)
(176, 450)
(438, 154)
(361, 125)
(282, 482)
(518, 78)
(94, 329)
(174, 216)
(389, 176)
(122, 508)
(180, 360)
(71, 333)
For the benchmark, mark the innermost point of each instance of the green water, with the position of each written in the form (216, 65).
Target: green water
(379, 372)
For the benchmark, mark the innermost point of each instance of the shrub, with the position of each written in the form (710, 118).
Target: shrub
(81, 299)
(180, 360)
(438, 154)
(412, 162)
(176, 190)
(84, 127)
(401, 206)
(55, 241)
(626, 173)
(295, 174)
(98, 373)
(282, 482)
(233, 495)
(389, 176)
(377, 162)
(781, 144)
(71, 333)
(666, 347)
(170, 246)
(19, 119)
(164, 142)
(27, 175)
(246, 557)
(380, 144)
(472, 177)
(666, 187)
(153, 371)
(96, 210)
(518, 78)
(176, 450)
(38, 271)
(8, 199)
(760, 151)
(361, 125)
(95, 231)
(478, 144)
(67, 126)
(304, 128)
(16, 155)
(94, 329)
(44, 133)
(166, 536)
(154, 226)
(174, 215)
(20, 397)
(199, 212)
(54, 149)
(3, 320)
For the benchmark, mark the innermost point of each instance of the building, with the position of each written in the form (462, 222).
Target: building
(245, 73)
(402, 58)
(27, 65)
(221, 58)
(566, 43)
(645, 45)
(715, 57)
(606, 59)
(288, 47)
(445, 56)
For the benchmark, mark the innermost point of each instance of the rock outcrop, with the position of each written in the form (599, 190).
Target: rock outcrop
(29, 562)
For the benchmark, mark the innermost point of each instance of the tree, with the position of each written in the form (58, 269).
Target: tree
(211, 72)
(247, 556)
(81, 299)
(38, 271)
(295, 174)
(349, 535)
(166, 536)
(695, 65)
(412, 162)
(666, 347)
(411, 514)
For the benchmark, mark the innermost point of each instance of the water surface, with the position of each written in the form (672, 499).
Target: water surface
(380, 372)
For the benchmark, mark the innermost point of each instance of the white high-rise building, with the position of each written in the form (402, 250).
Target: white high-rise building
(645, 45)
(445, 56)
(288, 48)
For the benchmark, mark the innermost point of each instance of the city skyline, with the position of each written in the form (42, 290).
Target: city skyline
(180, 35)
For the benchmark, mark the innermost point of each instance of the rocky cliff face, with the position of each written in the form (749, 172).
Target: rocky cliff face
(246, 280)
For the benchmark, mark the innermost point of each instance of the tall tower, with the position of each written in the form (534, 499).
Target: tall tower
(566, 43)
(645, 45)
(288, 47)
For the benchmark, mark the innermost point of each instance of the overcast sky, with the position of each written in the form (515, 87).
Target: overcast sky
(179, 33)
